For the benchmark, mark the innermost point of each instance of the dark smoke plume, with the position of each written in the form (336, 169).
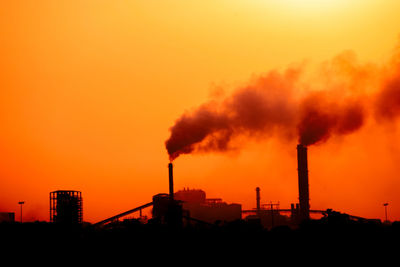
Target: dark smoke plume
(388, 100)
(320, 118)
(255, 111)
(191, 129)
(334, 101)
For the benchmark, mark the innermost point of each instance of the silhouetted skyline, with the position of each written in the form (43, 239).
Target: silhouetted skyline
(92, 95)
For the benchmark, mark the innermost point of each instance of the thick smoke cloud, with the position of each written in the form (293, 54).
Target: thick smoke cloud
(191, 129)
(335, 100)
(321, 117)
(255, 111)
(388, 100)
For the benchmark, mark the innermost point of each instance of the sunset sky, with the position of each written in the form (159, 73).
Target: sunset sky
(90, 89)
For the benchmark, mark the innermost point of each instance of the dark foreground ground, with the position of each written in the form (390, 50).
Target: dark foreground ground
(131, 240)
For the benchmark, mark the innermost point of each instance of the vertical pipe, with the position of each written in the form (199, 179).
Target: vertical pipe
(292, 212)
(21, 203)
(272, 214)
(302, 169)
(258, 200)
(171, 181)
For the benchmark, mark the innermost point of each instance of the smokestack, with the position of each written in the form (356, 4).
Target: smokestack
(171, 181)
(302, 169)
(258, 199)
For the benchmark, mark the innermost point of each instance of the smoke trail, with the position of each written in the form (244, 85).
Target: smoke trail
(388, 100)
(331, 102)
(256, 110)
(191, 129)
(321, 117)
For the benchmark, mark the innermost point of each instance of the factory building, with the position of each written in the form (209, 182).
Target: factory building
(268, 215)
(7, 217)
(192, 204)
(210, 210)
(66, 207)
(167, 211)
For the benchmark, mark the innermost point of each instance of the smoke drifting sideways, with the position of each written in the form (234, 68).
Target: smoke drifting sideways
(388, 100)
(321, 118)
(256, 110)
(285, 105)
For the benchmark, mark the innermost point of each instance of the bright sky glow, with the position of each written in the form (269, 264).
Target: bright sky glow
(312, 6)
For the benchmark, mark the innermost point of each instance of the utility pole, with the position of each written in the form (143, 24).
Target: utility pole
(21, 203)
(386, 217)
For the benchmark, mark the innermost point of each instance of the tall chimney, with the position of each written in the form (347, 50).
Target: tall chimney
(302, 169)
(258, 199)
(171, 181)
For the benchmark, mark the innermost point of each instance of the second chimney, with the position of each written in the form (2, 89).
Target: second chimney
(258, 198)
(171, 181)
(302, 169)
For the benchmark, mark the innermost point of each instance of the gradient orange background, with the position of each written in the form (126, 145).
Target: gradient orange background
(89, 89)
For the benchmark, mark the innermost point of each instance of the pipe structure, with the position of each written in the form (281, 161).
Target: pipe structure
(116, 217)
(258, 198)
(302, 169)
(171, 181)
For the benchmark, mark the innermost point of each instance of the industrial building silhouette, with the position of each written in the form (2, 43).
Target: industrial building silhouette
(189, 206)
(185, 219)
(66, 207)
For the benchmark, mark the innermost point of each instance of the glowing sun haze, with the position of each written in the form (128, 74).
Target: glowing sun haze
(311, 7)
(90, 89)
(314, 4)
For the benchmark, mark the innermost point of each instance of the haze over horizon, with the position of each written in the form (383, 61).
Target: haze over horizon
(90, 91)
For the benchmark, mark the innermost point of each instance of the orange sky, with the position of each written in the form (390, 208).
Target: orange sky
(89, 90)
